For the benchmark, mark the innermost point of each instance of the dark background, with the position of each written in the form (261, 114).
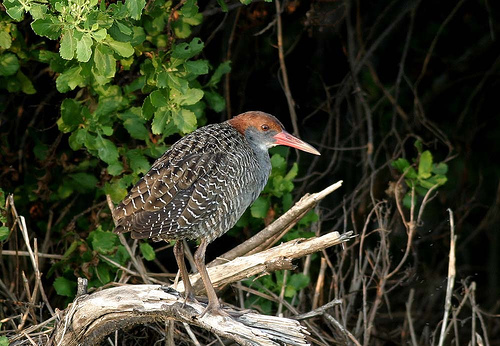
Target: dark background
(439, 62)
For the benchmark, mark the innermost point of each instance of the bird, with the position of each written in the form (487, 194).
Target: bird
(200, 187)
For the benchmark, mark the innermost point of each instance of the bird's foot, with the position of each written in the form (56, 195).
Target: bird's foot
(213, 309)
(190, 298)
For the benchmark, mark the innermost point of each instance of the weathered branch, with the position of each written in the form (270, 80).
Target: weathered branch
(277, 258)
(91, 317)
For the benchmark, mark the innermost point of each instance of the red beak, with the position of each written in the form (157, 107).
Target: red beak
(284, 138)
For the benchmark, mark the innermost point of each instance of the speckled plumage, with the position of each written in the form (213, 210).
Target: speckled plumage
(198, 188)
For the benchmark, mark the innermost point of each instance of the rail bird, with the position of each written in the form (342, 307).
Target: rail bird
(200, 187)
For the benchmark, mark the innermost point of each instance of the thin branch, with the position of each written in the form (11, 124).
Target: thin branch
(284, 74)
(451, 279)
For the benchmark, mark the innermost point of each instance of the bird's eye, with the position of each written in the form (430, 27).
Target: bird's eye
(264, 127)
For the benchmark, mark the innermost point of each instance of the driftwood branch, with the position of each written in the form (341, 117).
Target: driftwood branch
(91, 317)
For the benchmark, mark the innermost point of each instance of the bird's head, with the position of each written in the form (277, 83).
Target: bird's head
(266, 131)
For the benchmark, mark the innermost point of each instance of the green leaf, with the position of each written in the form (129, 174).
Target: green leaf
(222, 5)
(309, 218)
(77, 138)
(278, 164)
(85, 182)
(135, 7)
(287, 201)
(440, 168)
(161, 117)
(117, 190)
(70, 79)
(197, 67)
(15, 9)
(4, 233)
(138, 161)
(124, 49)
(260, 207)
(65, 287)
(5, 40)
(99, 35)
(190, 97)
(215, 100)
(71, 115)
(292, 173)
(407, 200)
(299, 281)
(4, 341)
(182, 29)
(103, 242)
(103, 273)
(49, 27)
(418, 145)
(185, 120)
(221, 70)
(148, 109)
(67, 47)
(189, 9)
(84, 48)
(147, 251)
(26, 84)
(425, 165)
(158, 99)
(104, 63)
(134, 123)
(38, 11)
(125, 29)
(400, 164)
(9, 64)
(173, 81)
(186, 51)
(106, 150)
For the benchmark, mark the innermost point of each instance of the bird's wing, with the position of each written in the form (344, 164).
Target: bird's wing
(171, 196)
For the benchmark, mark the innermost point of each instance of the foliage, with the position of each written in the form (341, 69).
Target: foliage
(89, 258)
(427, 175)
(131, 77)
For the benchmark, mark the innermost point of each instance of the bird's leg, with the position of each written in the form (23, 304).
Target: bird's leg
(213, 306)
(179, 257)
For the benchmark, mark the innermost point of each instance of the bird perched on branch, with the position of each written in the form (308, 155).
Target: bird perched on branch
(199, 188)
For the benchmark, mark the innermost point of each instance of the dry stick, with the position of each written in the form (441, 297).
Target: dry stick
(282, 293)
(227, 77)
(28, 296)
(284, 74)
(410, 320)
(128, 271)
(26, 253)
(434, 41)
(191, 334)
(290, 218)
(474, 312)
(319, 283)
(451, 279)
(343, 329)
